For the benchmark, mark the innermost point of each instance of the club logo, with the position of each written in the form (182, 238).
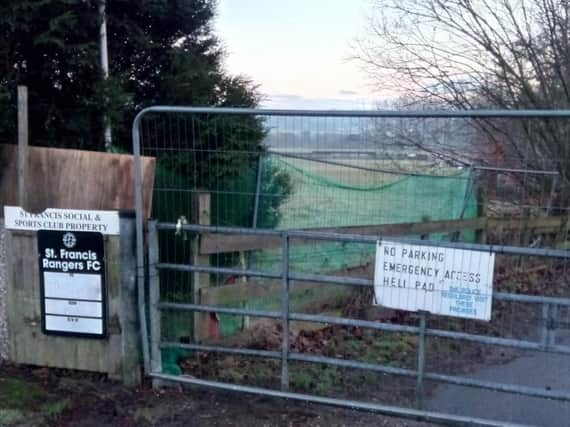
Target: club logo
(69, 240)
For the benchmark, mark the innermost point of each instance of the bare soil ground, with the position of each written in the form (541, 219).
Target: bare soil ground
(49, 397)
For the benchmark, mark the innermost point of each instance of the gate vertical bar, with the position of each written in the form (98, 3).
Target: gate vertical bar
(140, 240)
(154, 299)
(285, 314)
(549, 315)
(555, 313)
(421, 359)
(545, 326)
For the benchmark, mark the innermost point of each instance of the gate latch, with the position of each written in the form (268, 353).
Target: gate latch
(179, 223)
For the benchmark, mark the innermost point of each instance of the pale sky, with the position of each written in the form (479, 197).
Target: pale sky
(297, 50)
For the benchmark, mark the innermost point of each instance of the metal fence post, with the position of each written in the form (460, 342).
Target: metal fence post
(285, 314)
(421, 359)
(154, 299)
(140, 222)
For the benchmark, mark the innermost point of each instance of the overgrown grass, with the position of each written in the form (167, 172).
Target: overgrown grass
(24, 401)
(19, 395)
(335, 342)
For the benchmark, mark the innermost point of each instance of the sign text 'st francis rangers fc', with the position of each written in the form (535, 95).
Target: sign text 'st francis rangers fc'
(72, 276)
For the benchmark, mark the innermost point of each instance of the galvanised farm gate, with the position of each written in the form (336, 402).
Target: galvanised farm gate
(260, 274)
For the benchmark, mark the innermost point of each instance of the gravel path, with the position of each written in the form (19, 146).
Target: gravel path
(3, 327)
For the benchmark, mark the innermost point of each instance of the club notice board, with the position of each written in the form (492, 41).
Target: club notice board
(72, 281)
(446, 281)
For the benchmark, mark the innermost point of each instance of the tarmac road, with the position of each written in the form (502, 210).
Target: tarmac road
(535, 369)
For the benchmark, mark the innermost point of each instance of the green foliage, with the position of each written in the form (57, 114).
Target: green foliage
(161, 51)
(276, 188)
(51, 46)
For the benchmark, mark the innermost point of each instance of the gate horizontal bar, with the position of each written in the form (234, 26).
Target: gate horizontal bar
(342, 321)
(391, 370)
(342, 280)
(343, 363)
(506, 388)
(502, 342)
(531, 299)
(382, 326)
(356, 238)
(481, 114)
(218, 270)
(334, 280)
(217, 309)
(440, 333)
(395, 411)
(449, 379)
(220, 349)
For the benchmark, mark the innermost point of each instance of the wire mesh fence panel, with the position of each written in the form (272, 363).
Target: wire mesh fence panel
(268, 224)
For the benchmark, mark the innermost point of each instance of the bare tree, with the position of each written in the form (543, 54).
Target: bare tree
(481, 54)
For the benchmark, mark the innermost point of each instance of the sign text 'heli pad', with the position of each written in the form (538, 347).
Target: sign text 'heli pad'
(446, 281)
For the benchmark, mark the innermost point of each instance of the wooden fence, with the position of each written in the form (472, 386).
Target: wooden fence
(557, 225)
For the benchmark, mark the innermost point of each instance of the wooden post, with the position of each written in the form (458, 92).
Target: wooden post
(244, 265)
(22, 145)
(127, 304)
(552, 195)
(560, 239)
(526, 231)
(201, 215)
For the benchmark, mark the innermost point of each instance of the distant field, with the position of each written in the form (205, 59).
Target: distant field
(367, 178)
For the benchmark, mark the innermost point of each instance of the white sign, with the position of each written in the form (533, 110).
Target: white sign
(71, 307)
(72, 283)
(105, 222)
(64, 285)
(73, 324)
(454, 282)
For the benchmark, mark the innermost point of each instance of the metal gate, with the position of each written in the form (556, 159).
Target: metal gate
(203, 247)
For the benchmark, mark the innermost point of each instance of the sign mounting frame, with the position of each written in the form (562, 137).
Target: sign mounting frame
(73, 290)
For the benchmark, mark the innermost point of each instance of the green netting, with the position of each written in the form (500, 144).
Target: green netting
(328, 196)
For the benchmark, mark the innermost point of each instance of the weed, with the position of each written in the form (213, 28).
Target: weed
(53, 410)
(10, 416)
(19, 395)
(319, 379)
